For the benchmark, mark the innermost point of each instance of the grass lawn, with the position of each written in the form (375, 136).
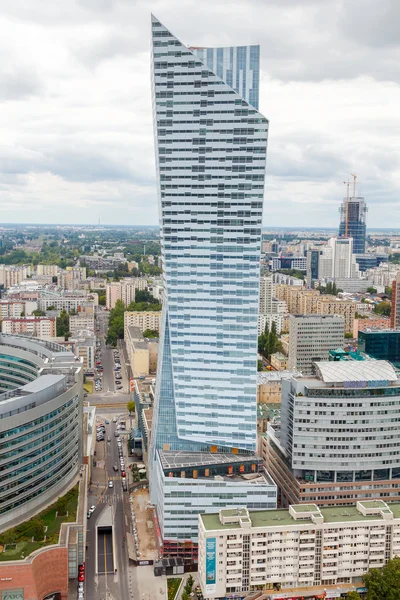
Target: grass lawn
(18, 535)
(173, 586)
(88, 386)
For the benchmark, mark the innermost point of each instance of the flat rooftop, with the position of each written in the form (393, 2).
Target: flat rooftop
(276, 518)
(179, 459)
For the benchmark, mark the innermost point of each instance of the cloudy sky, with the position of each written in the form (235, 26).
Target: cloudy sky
(76, 140)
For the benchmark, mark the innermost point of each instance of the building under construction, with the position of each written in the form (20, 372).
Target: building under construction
(353, 212)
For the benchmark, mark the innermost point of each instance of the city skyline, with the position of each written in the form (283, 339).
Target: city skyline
(75, 139)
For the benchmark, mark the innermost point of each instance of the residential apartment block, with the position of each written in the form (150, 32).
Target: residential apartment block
(124, 290)
(143, 320)
(50, 270)
(301, 301)
(310, 339)
(16, 308)
(11, 276)
(41, 327)
(80, 322)
(304, 552)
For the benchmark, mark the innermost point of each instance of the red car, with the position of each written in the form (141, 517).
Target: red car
(81, 576)
(123, 474)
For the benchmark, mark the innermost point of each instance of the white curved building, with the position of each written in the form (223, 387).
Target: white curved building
(340, 435)
(41, 393)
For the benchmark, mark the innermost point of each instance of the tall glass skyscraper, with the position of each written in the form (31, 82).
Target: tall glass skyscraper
(210, 157)
(238, 66)
(352, 222)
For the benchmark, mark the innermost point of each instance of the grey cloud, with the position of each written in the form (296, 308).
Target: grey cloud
(18, 83)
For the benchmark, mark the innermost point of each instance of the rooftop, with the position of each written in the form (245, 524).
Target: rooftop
(367, 370)
(269, 376)
(178, 459)
(281, 517)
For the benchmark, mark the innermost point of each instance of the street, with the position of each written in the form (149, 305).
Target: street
(106, 549)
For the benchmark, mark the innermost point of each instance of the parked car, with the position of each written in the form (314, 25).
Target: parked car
(115, 467)
(110, 484)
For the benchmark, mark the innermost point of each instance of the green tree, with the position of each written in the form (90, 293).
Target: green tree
(388, 291)
(353, 596)
(272, 340)
(371, 290)
(263, 341)
(260, 366)
(145, 296)
(37, 529)
(348, 335)
(131, 406)
(39, 313)
(384, 584)
(61, 506)
(102, 299)
(62, 324)
(150, 333)
(383, 308)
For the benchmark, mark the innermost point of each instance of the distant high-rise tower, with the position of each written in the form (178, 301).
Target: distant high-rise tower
(353, 212)
(210, 159)
(395, 308)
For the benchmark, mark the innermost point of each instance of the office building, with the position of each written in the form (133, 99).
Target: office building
(312, 260)
(395, 308)
(210, 257)
(310, 339)
(340, 436)
(353, 213)
(305, 552)
(41, 327)
(148, 319)
(41, 393)
(337, 260)
(380, 344)
(142, 352)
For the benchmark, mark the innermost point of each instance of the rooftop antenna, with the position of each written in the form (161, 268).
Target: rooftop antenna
(347, 184)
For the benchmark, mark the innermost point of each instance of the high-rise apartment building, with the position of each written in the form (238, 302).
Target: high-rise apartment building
(395, 308)
(353, 212)
(339, 439)
(124, 290)
(310, 339)
(210, 158)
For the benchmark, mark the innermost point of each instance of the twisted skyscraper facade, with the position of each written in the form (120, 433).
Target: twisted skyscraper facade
(210, 157)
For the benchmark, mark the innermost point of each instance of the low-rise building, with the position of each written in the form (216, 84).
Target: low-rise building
(303, 552)
(269, 385)
(279, 361)
(142, 352)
